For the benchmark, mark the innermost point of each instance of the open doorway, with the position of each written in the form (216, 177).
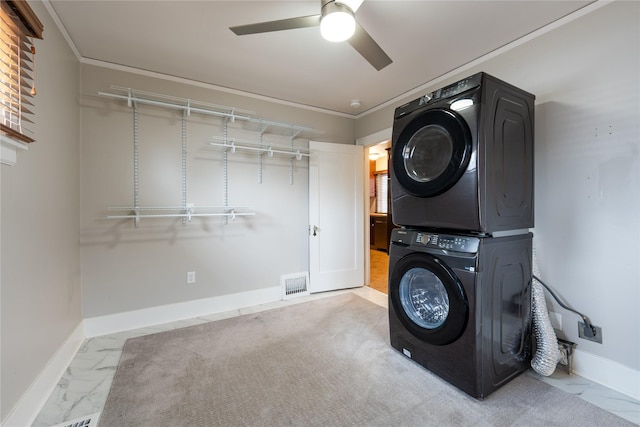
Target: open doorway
(380, 221)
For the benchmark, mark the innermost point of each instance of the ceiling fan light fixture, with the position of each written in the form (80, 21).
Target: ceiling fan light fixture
(337, 23)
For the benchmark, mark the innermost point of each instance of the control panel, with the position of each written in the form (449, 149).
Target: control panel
(427, 239)
(448, 242)
(445, 92)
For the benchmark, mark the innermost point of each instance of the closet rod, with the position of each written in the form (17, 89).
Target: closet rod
(293, 153)
(173, 208)
(130, 91)
(229, 212)
(232, 214)
(189, 105)
(187, 108)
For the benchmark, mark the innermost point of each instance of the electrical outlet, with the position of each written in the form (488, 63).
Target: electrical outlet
(586, 333)
(191, 277)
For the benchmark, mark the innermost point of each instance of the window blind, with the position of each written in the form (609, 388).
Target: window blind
(18, 26)
(382, 192)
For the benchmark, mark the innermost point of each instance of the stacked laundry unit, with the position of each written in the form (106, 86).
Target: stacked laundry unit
(460, 262)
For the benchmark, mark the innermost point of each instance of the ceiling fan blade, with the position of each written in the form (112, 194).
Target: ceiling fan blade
(279, 25)
(369, 49)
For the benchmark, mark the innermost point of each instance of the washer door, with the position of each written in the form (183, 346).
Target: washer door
(428, 298)
(432, 152)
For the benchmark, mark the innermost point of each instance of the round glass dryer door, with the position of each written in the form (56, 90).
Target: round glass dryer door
(429, 298)
(432, 152)
(427, 153)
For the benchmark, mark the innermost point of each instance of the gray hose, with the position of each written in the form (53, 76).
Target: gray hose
(547, 354)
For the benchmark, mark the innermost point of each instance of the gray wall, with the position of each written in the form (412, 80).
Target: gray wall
(126, 268)
(586, 76)
(40, 225)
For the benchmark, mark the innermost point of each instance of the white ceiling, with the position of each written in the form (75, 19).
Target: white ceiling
(192, 40)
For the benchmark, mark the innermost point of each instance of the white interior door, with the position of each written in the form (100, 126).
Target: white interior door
(336, 219)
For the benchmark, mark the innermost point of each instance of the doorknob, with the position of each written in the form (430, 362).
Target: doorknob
(315, 230)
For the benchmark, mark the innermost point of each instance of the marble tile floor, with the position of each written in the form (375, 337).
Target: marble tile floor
(84, 387)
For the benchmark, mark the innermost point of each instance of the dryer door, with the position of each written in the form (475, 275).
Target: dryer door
(428, 298)
(432, 152)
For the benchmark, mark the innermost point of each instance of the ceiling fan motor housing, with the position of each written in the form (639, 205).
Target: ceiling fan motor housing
(337, 21)
(330, 6)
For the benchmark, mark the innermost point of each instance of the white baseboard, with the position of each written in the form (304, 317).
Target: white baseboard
(29, 405)
(607, 372)
(119, 322)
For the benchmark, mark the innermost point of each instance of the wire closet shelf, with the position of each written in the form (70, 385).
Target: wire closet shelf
(261, 126)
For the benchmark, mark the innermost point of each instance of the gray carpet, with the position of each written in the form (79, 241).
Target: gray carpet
(326, 362)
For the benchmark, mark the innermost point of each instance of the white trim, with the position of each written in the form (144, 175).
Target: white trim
(607, 372)
(119, 322)
(9, 150)
(211, 86)
(32, 401)
(62, 29)
(375, 138)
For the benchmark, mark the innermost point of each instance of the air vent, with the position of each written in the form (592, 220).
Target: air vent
(86, 421)
(294, 285)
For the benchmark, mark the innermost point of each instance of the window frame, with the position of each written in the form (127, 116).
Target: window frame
(26, 26)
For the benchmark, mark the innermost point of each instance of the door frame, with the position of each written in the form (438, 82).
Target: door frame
(336, 272)
(369, 141)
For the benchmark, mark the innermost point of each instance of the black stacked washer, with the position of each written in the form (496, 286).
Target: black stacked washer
(460, 265)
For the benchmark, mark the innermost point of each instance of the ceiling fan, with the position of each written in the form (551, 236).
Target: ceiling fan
(337, 23)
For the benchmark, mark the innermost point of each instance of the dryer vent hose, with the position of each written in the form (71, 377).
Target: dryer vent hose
(547, 354)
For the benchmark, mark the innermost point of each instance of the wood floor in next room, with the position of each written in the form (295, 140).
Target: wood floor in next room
(379, 271)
